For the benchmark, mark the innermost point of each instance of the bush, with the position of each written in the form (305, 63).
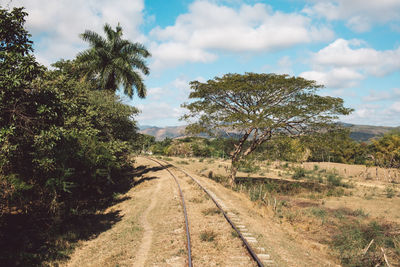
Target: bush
(299, 173)
(207, 236)
(354, 237)
(334, 179)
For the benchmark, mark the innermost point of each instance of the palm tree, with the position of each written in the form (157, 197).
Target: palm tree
(113, 61)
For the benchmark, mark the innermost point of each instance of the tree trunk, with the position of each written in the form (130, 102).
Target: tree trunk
(232, 175)
(234, 168)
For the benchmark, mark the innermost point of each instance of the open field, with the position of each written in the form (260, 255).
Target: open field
(337, 208)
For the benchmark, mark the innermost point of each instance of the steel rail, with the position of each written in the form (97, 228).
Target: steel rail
(247, 245)
(184, 212)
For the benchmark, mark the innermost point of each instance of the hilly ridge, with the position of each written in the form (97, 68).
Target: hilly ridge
(361, 133)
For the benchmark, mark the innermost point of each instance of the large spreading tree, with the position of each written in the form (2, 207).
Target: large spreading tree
(113, 61)
(257, 107)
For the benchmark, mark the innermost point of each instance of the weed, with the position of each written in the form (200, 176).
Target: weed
(201, 160)
(353, 237)
(168, 159)
(210, 161)
(318, 212)
(183, 162)
(390, 192)
(116, 195)
(336, 192)
(360, 213)
(316, 167)
(196, 200)
(218, 178)
(286, 165)
(234, 234)
(180, 252)
(211, 211)
(299, 173)
(334, 179)
(248, 167)
(207, 236)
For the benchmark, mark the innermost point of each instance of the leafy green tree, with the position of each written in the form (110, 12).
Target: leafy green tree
(258, 107)
(336, 145)
(386, 150)
(113, 61)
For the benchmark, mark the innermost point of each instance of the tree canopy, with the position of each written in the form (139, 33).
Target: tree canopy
(258, 107)
(63, 145)
(113, 61)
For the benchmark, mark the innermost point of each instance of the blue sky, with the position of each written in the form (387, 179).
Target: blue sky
(352, 47)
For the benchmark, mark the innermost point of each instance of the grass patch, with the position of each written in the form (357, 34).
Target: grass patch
(211, 211)
(352, 238)
(299, 173)
(183, 162)
(390, 192)
(196, 200)
(234, 234)
(208, 236)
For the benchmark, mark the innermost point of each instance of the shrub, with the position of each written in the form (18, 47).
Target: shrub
(299, 173)
(207, 236)
(334, 179)
(390, 192)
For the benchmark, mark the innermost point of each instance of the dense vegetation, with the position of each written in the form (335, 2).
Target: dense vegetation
(64, 144)
(334, 145)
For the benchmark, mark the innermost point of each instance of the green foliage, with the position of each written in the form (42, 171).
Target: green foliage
(63, 145)
(259, 106)
(390, 192)
(334, 179)
(248, 166)
(208, 236)
(335, 145)
(386, 150)
(112, 61)
(299, 173)
(355, 236)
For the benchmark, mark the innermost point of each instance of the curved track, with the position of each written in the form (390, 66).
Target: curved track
(229, 220)
(184, 212)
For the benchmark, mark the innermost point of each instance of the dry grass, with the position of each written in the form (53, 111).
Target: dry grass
(362, 200)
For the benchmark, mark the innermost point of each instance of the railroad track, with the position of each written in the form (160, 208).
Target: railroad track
(230, 217)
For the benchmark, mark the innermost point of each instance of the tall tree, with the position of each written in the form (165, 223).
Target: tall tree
(113, 61)
(258, 107)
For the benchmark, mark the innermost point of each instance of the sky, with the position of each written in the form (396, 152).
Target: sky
(351, 47)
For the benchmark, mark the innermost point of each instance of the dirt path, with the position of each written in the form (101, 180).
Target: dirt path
(148, 229)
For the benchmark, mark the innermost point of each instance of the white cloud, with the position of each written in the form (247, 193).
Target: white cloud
(207, 28)
(375, 115)
(344, 53)
(157, 112)
(334, 78)
(285, 65)
(359, 15)
(56, 25)
(344, 63)
(375, 95)
(395, 107)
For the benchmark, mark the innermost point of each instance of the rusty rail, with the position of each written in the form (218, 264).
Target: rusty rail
(184, 212)
(247, 245)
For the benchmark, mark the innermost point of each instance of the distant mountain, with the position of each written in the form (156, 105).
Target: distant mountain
(364, 133)
(360, 133)
(162, 133)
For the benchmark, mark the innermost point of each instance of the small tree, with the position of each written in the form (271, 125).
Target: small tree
(258, 107)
